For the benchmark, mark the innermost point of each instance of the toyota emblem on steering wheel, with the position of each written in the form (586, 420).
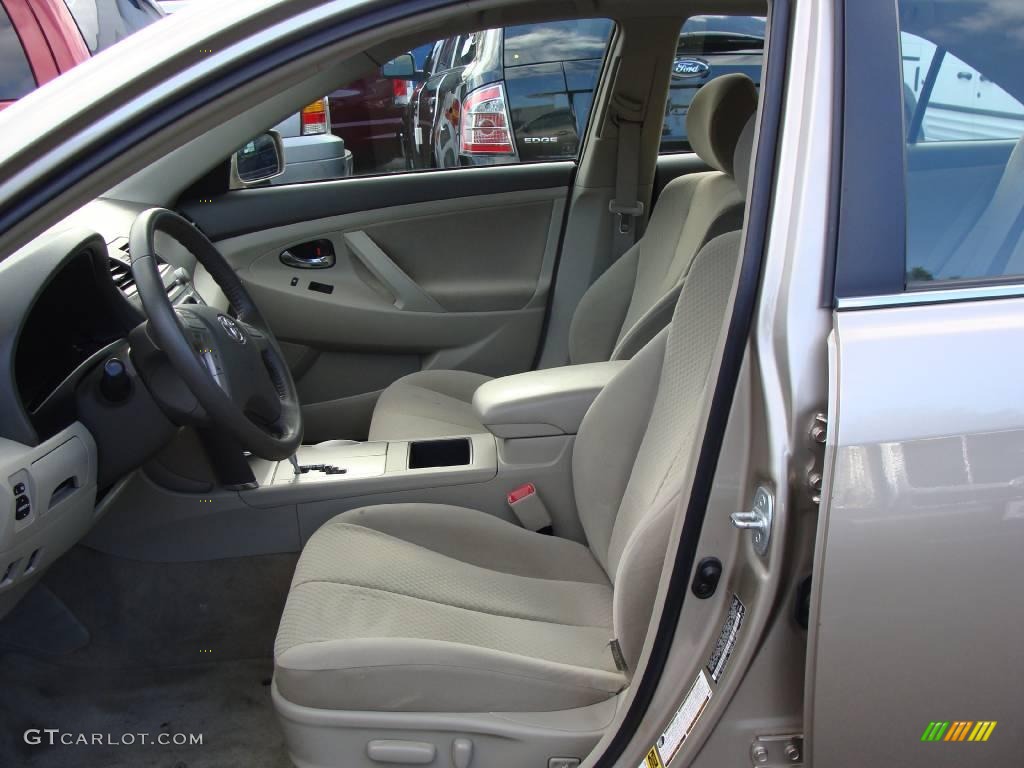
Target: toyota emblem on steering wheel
(231, 328)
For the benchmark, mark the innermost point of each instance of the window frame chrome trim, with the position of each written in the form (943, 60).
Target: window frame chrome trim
(871, 232)
(938, 296)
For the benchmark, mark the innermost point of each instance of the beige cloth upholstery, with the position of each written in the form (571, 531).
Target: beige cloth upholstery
(428, 404)
(636, 548)
(716, 116)
(634, 298)
(425, 607)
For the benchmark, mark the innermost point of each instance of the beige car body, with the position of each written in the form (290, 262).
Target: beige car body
(888, 430)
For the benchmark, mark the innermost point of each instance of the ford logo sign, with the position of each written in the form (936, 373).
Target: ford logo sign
(690, 68)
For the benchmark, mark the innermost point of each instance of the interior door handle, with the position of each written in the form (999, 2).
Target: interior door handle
(317, 254)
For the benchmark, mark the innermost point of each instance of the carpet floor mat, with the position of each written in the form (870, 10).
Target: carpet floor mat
(144, 665)
(225, 704)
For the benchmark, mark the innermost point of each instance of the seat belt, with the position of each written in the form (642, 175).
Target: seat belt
(626, 205)
(529, 509)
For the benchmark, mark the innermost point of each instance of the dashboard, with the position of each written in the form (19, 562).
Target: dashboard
(68, 308)
(73, 302)
(74, 317)
(62, 315)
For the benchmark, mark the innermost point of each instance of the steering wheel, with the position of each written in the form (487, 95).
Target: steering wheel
(232, 365)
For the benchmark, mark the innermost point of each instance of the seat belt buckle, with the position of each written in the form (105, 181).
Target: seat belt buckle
(627, 213)
(529, 509)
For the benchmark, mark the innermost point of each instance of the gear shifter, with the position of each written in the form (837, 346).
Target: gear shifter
(295, 464)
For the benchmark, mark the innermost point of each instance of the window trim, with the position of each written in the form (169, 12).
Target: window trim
(955, 293)
(871, 237)
(871, 251)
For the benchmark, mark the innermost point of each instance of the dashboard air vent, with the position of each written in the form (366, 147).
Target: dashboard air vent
(121, 269)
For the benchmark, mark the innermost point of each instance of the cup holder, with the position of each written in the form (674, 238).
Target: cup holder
(439, 453)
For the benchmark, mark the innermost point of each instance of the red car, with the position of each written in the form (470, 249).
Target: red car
(369, 114)
(40, 39)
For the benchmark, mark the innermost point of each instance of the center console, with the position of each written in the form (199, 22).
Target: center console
(532, 421)
(341, 467)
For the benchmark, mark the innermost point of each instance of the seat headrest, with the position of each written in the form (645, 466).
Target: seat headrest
(742, 156)
(716, 117)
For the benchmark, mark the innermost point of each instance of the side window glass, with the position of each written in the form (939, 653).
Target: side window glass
(709, 47)
(16, 78)
(963, 117)
(946, 99)
(447, 52)
(493, 97)
(465, 49)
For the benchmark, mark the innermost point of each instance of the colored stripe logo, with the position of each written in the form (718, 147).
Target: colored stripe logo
(958, 730)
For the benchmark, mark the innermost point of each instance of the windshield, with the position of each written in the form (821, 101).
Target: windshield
(105, 22)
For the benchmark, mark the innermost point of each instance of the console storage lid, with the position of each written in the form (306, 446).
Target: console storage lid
(552, 401)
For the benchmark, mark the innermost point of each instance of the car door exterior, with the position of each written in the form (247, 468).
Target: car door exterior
(914, 652)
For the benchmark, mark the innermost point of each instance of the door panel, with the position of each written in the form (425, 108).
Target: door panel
(491, 257)
(916, 616)
(442, 277)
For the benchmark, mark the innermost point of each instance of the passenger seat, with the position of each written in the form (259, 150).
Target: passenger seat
(634, 298)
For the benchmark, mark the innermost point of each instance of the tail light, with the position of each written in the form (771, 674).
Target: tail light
(315, 118)
(402, 90)
(484, 125)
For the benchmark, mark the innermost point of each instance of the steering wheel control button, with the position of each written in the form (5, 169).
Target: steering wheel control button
(191, 320)
(115, 384)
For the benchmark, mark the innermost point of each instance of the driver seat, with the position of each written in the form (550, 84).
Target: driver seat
(403, 610)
